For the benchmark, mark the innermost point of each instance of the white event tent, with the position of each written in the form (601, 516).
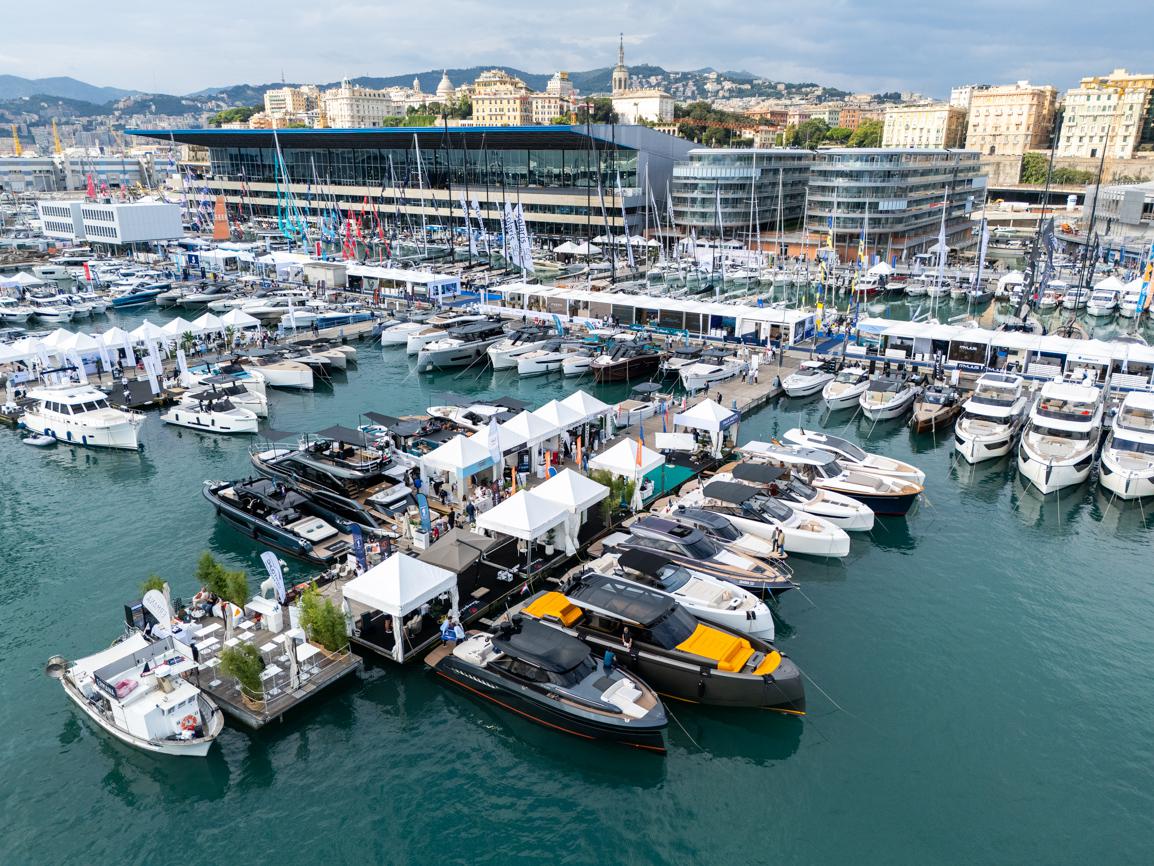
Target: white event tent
(576, 494)
(621, 459)
(588, 406)
(710, 416)
(397, 587)
(523, 515)
(461, 457)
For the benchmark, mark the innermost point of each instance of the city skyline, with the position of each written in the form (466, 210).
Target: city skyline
(870, 50)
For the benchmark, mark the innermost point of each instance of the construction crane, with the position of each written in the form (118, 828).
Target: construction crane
(17, 147)
(56, 138)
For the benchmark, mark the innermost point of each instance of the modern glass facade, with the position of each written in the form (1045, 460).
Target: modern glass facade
(759, 190)
(555, 172)
(894, 197)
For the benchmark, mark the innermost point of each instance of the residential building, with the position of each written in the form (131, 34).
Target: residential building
(292, 101)
(111, 223)
(553, 171)
(556, 101)
(933, 125)
(353, 107)
(893, 197)
(962, 96)
(634, 105)
(1111, 114)
(501, 99)
(1011, 119)
(759, 190)
(798, 114)
(853, 116)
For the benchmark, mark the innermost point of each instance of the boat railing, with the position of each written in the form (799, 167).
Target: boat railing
(279, 689)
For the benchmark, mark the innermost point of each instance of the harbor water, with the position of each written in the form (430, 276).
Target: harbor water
(980, 687)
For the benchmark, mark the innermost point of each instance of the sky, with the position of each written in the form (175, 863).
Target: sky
(851, 44)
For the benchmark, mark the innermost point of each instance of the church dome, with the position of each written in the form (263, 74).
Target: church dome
(445, 89)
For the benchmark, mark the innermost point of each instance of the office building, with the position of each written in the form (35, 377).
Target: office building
(553, 171)
(894, 198)
(758, 190)
(111, 224)
(556, 100)
(935, 125)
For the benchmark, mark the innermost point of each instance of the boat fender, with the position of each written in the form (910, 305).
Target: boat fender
(188, 723)
(701, 688)
(254, 532)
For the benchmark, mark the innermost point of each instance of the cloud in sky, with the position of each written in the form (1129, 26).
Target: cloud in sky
(852, 44)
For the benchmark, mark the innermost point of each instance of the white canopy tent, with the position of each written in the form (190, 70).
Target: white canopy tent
(239, 319)
(566, 249)
(621, 459)
(507, 440)
(524, 515)
(461, 457)
(710, 416)
(24, 280)
(560, 416)
(177, 328)
(589, 407)
(1110, 284)
(576, 494)
(207, 323)
(118, 338)
(533, 429)
(881, 269)
(397, 587)
(146, 331)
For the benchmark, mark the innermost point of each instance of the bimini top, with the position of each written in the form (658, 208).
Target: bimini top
(643, 561)
(728, 491)
(540, 645)
(619, 598)
(760, 473)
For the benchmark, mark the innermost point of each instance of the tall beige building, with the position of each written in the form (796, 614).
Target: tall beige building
(291, 101)
(1009, 120)
(556, 101)
(1113, 114)
(352, 107)
(501, 99)
(919, 126)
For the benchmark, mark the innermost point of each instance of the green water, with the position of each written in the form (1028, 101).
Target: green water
(990, 656)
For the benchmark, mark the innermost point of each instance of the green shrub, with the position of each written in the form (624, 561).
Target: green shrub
(322, 621)
(243, 663)
(229, 585)
(154, 581)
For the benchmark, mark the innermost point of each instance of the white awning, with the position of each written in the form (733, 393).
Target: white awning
(531, 428)
(559, 415)
(523, 515)
(399, 585)
(708, 415)
(621, 459)
(461, 456)
(239, 319)
(572, 490)
(588, 406)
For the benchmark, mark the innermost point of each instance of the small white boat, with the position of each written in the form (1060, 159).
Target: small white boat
(211, 416)
(577, 364)
(1076, 298)
(888, 397)
(809, 379)
(1103, 302)
(854, 457)
(706, 373)
(1059, 443)
(38, 441)
(11, 310)
(843, 391)
(1127, 466)
(279, 373)
(548, 358)
(504, 353)
(81, 415)
(133, 690)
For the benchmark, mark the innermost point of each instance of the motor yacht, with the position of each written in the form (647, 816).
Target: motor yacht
(47, 310)
(81, 415)
(473, 417)
(992, 417)
(211, 414)
(853, 456)
(14, 312)
(504, 353)
(550, 357)
(843, 391)
(935, 408)
(751, 509)
(136, 293)
(706, 597)
(277, 372)
(134, 691)
(434, 328)
(882, 494)
(625, 362)
(679, 358)
(551, 677)
(1076, 298)
(1051, 297)
(1130, 305)
(275, 516)
(669, 647)
(809, 379)
(577, 363)
(230, 388)
(1060, 439)
(692, 548)
(719, 528)
(889, 397)
(208, 293)
(715, 366)
(1127, 465)
(780, 483)
(1103, 302)
(460, 346)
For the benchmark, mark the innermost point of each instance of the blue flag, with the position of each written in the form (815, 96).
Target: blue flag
(423, 506)
(358, 545)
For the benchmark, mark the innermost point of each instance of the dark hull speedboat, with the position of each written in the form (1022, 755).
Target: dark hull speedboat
(628, 368)
(551, 678)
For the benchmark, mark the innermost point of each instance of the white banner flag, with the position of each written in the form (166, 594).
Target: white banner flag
(272, 566)
(523, 243)
(624, 223)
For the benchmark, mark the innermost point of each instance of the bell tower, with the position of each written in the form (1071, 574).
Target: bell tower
(620, 71)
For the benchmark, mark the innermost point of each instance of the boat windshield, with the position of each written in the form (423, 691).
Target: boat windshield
(1123, 443)
(772, 508)
(939, 398)
(994, 396)
(673, 577)
(804, 491)
(674, 628)
(1065, 410)
(574, 675)
(702, 548)
(846, 447)
(850, 376)
(829, 470)
(726, 531)
(1053, 432)
(891, 386)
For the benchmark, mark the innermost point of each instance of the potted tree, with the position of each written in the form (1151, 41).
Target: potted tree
(322, 622)
(243, 663)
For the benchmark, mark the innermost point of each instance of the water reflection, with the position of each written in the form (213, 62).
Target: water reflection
(143, 779)
(1129, 518)
(892, 533)
(983, 481)
(727, 733)
(1056, 511)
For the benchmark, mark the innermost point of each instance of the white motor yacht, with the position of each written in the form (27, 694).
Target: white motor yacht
(475, 417)
(1130, 305)
(47, 310)
(1051, 297)
(504, 353)
(705, 373)
(460, 346)
(231, 388)
(843, 391)
(11, 310)
(1076, 298)
(549, 358)
(780, 483)
(853, 456)
(279, 373)
(1127, 466)
(1103, 302)
(708, 597)
(577, 363)
(992, 417)
(436, 328)
(809, 379)
(1060, 440)
(81, 415)
(212, 415)
(918, 286)
(888, 397)
(133, 690)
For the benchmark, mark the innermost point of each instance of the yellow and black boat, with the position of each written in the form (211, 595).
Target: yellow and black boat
(653, 636)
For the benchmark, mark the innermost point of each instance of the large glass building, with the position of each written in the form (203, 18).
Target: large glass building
(759, 191)
(894, 199)
(570, 180)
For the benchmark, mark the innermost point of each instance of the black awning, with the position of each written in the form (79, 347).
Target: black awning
(727, 491)
(384, 420)
(341, 434)
(511, 403)
(762, 473)
(540, 644)
(644, 561)
(278, 435)
(646, 388)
